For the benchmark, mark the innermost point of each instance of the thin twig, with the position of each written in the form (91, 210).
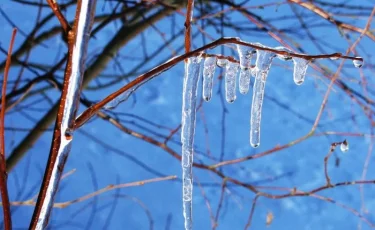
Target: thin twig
(108, 188)
(3, 167)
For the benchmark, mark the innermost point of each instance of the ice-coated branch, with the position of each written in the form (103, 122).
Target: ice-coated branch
(91, 111)
(78, 39)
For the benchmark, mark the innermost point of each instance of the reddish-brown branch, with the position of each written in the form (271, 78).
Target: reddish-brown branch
(78, 39)
(248, 224)
(189, 16)
(56, 10)
(3, 167)
(340, 25)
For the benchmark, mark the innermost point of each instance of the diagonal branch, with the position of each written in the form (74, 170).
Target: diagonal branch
(341, 25)
(3, 168)
(78, 39)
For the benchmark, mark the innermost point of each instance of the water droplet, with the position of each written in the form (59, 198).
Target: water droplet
(334, 58)
(344, 146)
(358, 63)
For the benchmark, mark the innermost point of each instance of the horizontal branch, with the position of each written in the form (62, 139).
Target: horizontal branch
(133, 85)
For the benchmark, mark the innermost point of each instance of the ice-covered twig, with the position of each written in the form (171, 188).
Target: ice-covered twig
(87, 114)
(78, 39)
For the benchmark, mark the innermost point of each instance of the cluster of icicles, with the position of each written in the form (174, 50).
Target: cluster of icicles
(260, 72)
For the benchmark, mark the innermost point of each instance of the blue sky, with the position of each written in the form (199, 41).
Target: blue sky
(288, 114)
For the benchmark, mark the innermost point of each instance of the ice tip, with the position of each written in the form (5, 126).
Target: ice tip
(298, 82)
(255, 145)
(344, 146)
(207, 99)
(358, 62)
(231, 100)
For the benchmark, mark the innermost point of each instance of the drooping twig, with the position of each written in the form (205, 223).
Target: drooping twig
(96, 193)
(78, 39)
(133, 85)
(3, 167)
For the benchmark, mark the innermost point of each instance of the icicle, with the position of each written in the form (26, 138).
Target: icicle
(245, 53)
(189, 96)
(299, 72)
(208, 74)
(262, 65)
(358, 63)
(231, 70)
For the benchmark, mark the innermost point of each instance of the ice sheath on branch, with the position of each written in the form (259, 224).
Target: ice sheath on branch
(78, 39)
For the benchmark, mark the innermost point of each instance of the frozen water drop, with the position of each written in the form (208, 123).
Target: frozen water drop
(358, 63)
(334, 58)
(344, 147)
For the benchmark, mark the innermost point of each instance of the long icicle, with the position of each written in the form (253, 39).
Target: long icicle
(262, 66)
(189, 103)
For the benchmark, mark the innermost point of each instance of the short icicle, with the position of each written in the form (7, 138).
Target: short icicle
(262, 66)
(231, 70)
(189, 102)
(209, 67)
(245, 53)
(300, 68)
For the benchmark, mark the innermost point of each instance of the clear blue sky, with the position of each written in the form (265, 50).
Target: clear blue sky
(288, 113)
